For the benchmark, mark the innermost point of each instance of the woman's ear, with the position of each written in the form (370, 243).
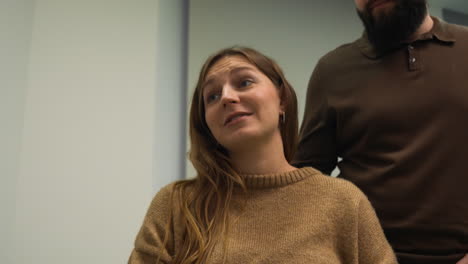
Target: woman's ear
(282, 104)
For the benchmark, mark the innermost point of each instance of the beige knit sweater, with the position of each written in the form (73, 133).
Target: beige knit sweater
(297, 217)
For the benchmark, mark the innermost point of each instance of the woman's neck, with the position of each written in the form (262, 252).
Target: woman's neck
(261, 158)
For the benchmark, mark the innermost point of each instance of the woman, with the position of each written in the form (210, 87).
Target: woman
(247, 203)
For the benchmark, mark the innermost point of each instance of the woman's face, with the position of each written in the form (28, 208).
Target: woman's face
(242, 105)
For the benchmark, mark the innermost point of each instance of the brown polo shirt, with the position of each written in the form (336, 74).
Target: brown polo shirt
(399, 121)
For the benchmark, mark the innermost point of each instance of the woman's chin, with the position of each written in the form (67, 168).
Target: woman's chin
(241, 140)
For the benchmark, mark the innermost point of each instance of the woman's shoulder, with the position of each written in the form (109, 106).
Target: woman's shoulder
(164, 192)
(337, 198)
(167, 196)
(329, 186)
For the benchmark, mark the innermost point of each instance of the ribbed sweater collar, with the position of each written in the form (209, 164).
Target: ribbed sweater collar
(278, 179)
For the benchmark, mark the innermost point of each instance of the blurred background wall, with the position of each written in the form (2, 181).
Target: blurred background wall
(88, 123)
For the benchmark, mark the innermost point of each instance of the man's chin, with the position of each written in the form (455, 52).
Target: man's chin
(381, 14)
(388, 25)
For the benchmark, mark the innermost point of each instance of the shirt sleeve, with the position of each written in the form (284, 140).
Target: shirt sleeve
(149, 243)
(317, 145)
(372, 244)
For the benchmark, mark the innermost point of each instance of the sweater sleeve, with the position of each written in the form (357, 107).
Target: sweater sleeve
(317, 146)
(372, 244)
(149, 243)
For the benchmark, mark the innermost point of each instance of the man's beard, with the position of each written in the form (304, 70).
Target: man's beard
(391, 27)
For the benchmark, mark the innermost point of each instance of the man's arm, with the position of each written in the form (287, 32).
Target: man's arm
(317, 145)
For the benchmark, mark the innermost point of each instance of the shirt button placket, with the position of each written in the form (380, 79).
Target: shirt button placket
(413, 62)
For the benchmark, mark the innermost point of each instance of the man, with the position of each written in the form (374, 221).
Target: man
(393, 105)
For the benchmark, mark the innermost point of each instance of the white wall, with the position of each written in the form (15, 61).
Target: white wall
(78, 101)
(435, 8)
(171, 83)
(456, 5)
(15, 28)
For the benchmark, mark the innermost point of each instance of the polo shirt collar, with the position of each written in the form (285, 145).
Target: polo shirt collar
(440, 31)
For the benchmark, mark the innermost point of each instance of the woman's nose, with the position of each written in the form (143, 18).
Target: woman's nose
(229, 95)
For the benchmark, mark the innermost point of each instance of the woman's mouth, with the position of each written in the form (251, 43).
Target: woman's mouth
(236, 117)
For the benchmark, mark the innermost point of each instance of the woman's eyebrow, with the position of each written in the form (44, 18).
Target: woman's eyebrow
(245, 68)
(212, 79)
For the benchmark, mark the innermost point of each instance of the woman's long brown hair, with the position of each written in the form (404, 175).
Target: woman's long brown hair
(203, 202)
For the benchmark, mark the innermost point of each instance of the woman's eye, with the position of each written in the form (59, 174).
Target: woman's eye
(212, 97)
(245, 83)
